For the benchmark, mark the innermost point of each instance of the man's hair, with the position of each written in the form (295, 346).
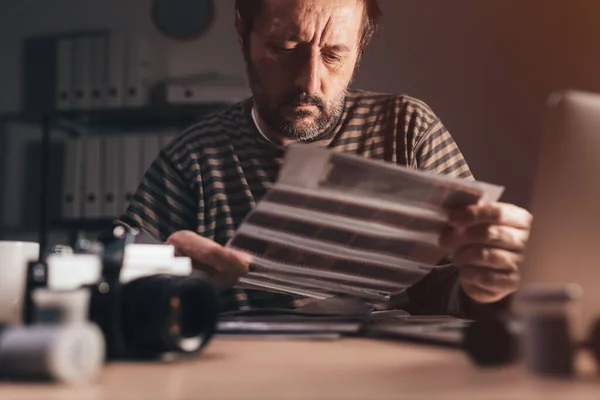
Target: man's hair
(250, 9)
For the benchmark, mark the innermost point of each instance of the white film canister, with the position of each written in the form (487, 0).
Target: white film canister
(64, 353)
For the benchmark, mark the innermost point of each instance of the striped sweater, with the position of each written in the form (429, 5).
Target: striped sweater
(210, 176)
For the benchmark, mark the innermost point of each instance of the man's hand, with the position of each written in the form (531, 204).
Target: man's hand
(225, 266)
(487, 241)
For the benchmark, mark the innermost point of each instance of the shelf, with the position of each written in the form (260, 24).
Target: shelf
(166, 117)
(96, 224)
(163, 116)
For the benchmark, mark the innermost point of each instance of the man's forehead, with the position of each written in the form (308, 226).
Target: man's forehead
(338, 20)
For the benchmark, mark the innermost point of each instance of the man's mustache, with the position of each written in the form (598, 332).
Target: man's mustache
(302, 98)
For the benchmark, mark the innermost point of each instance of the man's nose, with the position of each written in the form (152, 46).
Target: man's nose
(309, 75)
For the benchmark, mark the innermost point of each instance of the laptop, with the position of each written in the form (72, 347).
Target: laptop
(564, 245)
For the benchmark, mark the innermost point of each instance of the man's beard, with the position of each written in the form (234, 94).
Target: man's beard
(280, 115)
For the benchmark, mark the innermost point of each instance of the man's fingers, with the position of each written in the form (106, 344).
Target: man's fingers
(492, 280)
(485, 256)
(482, 294)
(489, 241)
(208, 253)
(486, 285)
(500, 236)
(233, 260)
(491, 213)
(221, 278)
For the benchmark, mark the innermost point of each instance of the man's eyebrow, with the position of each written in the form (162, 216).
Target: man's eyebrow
(339, 47)
(294, 38)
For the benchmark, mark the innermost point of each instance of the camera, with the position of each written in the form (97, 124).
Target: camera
(134, 293)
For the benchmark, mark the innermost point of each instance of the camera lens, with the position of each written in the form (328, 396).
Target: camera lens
(167, 313)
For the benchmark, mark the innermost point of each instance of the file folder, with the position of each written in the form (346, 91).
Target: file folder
(116, 71)
(82, 73)
(112, 157)
(92, 183)
(99, 71)
(132, 166)
(72, 179)
(64, 72)
(139, 75)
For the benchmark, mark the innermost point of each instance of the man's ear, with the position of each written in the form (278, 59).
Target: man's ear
(239, 28)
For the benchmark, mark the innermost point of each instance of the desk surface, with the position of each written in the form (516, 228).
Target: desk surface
(343, 369)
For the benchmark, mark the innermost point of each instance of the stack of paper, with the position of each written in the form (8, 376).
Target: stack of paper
(340, 224)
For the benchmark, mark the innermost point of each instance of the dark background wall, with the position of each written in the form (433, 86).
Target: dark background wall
(485, 67)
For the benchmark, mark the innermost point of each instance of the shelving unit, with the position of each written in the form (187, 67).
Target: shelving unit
(79, 122)
(177, 116)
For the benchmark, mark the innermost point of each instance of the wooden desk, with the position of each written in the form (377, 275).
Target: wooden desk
(344, 369)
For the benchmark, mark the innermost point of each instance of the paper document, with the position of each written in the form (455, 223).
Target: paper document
(340, 224)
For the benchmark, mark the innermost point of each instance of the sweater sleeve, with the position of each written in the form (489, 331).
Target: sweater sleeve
(163, 202)
(440, 292)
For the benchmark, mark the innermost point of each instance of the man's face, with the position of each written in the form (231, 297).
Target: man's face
(300, 60)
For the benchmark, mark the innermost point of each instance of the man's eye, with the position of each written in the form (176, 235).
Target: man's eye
(282, 49)
(332, 58)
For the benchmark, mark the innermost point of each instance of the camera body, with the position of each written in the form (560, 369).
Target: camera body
(145, 301)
